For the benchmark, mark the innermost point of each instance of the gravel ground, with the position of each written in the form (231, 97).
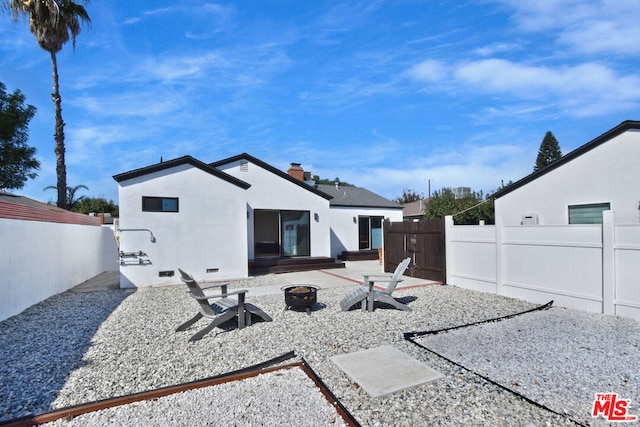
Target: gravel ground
(290, 390)
(78, 348)
(567, 353)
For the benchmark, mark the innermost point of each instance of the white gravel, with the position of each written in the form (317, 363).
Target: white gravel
(78, 348)
(559, 358)
(290, 391)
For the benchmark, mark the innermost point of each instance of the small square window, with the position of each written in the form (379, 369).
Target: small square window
(159, 204)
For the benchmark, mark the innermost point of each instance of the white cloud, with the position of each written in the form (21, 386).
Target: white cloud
(497, 47)
(428, 71)
(595, 27)
(604, 37)
(147, 103)
(585, 89)
(176, 67)
(501, 76)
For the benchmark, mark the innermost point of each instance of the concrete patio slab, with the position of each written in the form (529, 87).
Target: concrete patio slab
(103, 281)
(384, 370)
(350, 276)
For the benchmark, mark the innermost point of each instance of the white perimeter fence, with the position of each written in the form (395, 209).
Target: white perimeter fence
(41, 259)
(586, 267)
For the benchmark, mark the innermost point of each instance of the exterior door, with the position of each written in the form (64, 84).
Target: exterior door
(369, 232)
(423, 241)
(281, 233)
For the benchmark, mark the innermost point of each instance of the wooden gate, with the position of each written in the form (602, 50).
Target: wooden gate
(423, 241)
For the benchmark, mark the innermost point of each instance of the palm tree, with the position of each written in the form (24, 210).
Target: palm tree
(53, 23)
(70, 195)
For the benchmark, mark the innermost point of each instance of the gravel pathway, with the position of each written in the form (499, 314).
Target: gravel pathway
(77, 348)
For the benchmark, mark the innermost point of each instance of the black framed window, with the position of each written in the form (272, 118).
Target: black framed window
(159, 204)
(587, 214)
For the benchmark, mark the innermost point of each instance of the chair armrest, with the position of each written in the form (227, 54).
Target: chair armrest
(213, 296)
(370, 281)
(221, 286)
(215, 285)
(379, 278)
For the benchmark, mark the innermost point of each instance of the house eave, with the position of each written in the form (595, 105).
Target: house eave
(268, 167)
(125, 176)
(612, 133)
(345, 205)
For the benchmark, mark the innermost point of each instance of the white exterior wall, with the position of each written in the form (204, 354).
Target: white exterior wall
(41, 259)
(344, 230)
(270, 191)
(208, 232)
(607, 173)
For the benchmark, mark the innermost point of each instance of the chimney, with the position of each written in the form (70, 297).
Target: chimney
(296, 171)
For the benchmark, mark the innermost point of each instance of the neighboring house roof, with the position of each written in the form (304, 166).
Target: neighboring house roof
(414, 209)
(23, 208)
(620, 129)
(177, 162)
(284, 175)
(356, 197)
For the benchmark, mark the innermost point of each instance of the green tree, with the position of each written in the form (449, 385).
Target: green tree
(17, 159)
(408, 196)
(70, 197)
(548, 153)
(466, 211)
(87, 205)
(53, 23)
(317, 179)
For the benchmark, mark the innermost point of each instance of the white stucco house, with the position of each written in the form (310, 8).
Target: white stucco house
(602, 174)
(218, 220)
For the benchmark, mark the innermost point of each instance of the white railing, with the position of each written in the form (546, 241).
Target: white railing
(587, 267)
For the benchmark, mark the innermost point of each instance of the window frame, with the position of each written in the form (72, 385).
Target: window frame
(602, 206)
(163, 207)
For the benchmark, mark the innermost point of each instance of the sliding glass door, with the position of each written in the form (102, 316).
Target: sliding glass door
(295, 233)
(369, 232)
(281, 233)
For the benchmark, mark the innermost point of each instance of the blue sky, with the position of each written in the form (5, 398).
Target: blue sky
(385, 95)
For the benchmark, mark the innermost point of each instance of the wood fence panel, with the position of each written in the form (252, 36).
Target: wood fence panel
(423, 241)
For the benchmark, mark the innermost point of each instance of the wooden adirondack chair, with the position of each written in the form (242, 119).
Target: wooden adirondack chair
(219, 307)
(367, 294)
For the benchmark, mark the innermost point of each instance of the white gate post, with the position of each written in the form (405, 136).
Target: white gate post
(608, 263)
(499, 256)
(448, 247)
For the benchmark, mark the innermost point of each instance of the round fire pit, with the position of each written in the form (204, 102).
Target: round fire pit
(300, 297)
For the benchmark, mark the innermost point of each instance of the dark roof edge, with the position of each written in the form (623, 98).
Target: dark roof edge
(610, 134)
(178, 162)
(271, 169)
(400, 207)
